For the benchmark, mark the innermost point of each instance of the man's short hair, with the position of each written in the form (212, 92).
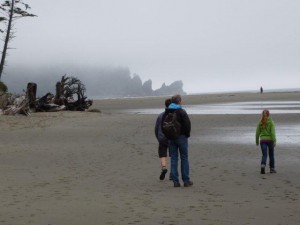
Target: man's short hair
(176, 99)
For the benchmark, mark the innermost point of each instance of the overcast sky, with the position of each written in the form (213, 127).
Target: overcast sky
(211, 45)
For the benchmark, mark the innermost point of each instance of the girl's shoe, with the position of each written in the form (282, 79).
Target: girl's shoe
(272, 170)
(262, 170)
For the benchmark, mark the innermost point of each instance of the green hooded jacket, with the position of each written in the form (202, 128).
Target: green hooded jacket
(267, 133)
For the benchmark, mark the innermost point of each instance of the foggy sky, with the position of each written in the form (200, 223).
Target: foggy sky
(215, 45)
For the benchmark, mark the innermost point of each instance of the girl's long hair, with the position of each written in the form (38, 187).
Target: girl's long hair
(264, 118)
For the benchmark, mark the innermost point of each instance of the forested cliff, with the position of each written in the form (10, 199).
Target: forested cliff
(100, 83)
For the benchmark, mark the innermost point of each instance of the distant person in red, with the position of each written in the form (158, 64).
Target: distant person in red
(261, 90)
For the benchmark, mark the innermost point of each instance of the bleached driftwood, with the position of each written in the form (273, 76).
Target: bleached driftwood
(53, 107)
(21, 107)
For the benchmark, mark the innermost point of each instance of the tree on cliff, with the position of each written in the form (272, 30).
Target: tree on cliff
(11, 10)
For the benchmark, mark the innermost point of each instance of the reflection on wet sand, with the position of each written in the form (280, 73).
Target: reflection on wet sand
(277, 107)
(285, 134)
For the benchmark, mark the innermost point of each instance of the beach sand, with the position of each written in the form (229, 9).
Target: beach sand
(87, 168)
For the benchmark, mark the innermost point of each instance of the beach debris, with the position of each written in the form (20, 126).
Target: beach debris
(45, 104)
(70, 95)
(31, 94)
(17, 104)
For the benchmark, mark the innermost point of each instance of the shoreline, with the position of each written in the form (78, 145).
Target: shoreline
(111, 105)
(272, 91)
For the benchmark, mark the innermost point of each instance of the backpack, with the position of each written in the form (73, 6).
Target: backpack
(170, 126)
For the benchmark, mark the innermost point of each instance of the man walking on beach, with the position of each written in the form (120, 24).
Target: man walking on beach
(180, 143)
(163, 142)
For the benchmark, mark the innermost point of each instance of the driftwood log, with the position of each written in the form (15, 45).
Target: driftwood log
(31, 95)
(42, 104)
(20, 106)
(71, 93)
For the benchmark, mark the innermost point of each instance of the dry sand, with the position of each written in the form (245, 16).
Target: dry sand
(84, 168)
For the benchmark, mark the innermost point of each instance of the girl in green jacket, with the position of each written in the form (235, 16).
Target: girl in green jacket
(266, 137)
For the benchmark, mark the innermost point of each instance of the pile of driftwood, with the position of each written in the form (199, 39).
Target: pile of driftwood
(14, 104)
(70, 95)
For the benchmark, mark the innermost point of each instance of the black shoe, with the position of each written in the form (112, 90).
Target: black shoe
(176, 184)
(262, 170)
(272, 170)
(163, 174)
(188, 184)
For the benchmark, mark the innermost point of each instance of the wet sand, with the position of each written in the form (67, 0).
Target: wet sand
(102, 168)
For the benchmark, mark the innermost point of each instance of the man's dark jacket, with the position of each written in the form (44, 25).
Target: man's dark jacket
(183, 119)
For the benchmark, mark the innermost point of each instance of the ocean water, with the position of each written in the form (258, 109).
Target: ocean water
(288, 90)
(275, 107)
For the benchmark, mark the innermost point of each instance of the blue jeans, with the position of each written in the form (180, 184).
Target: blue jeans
(265, 146)
(179, 145)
